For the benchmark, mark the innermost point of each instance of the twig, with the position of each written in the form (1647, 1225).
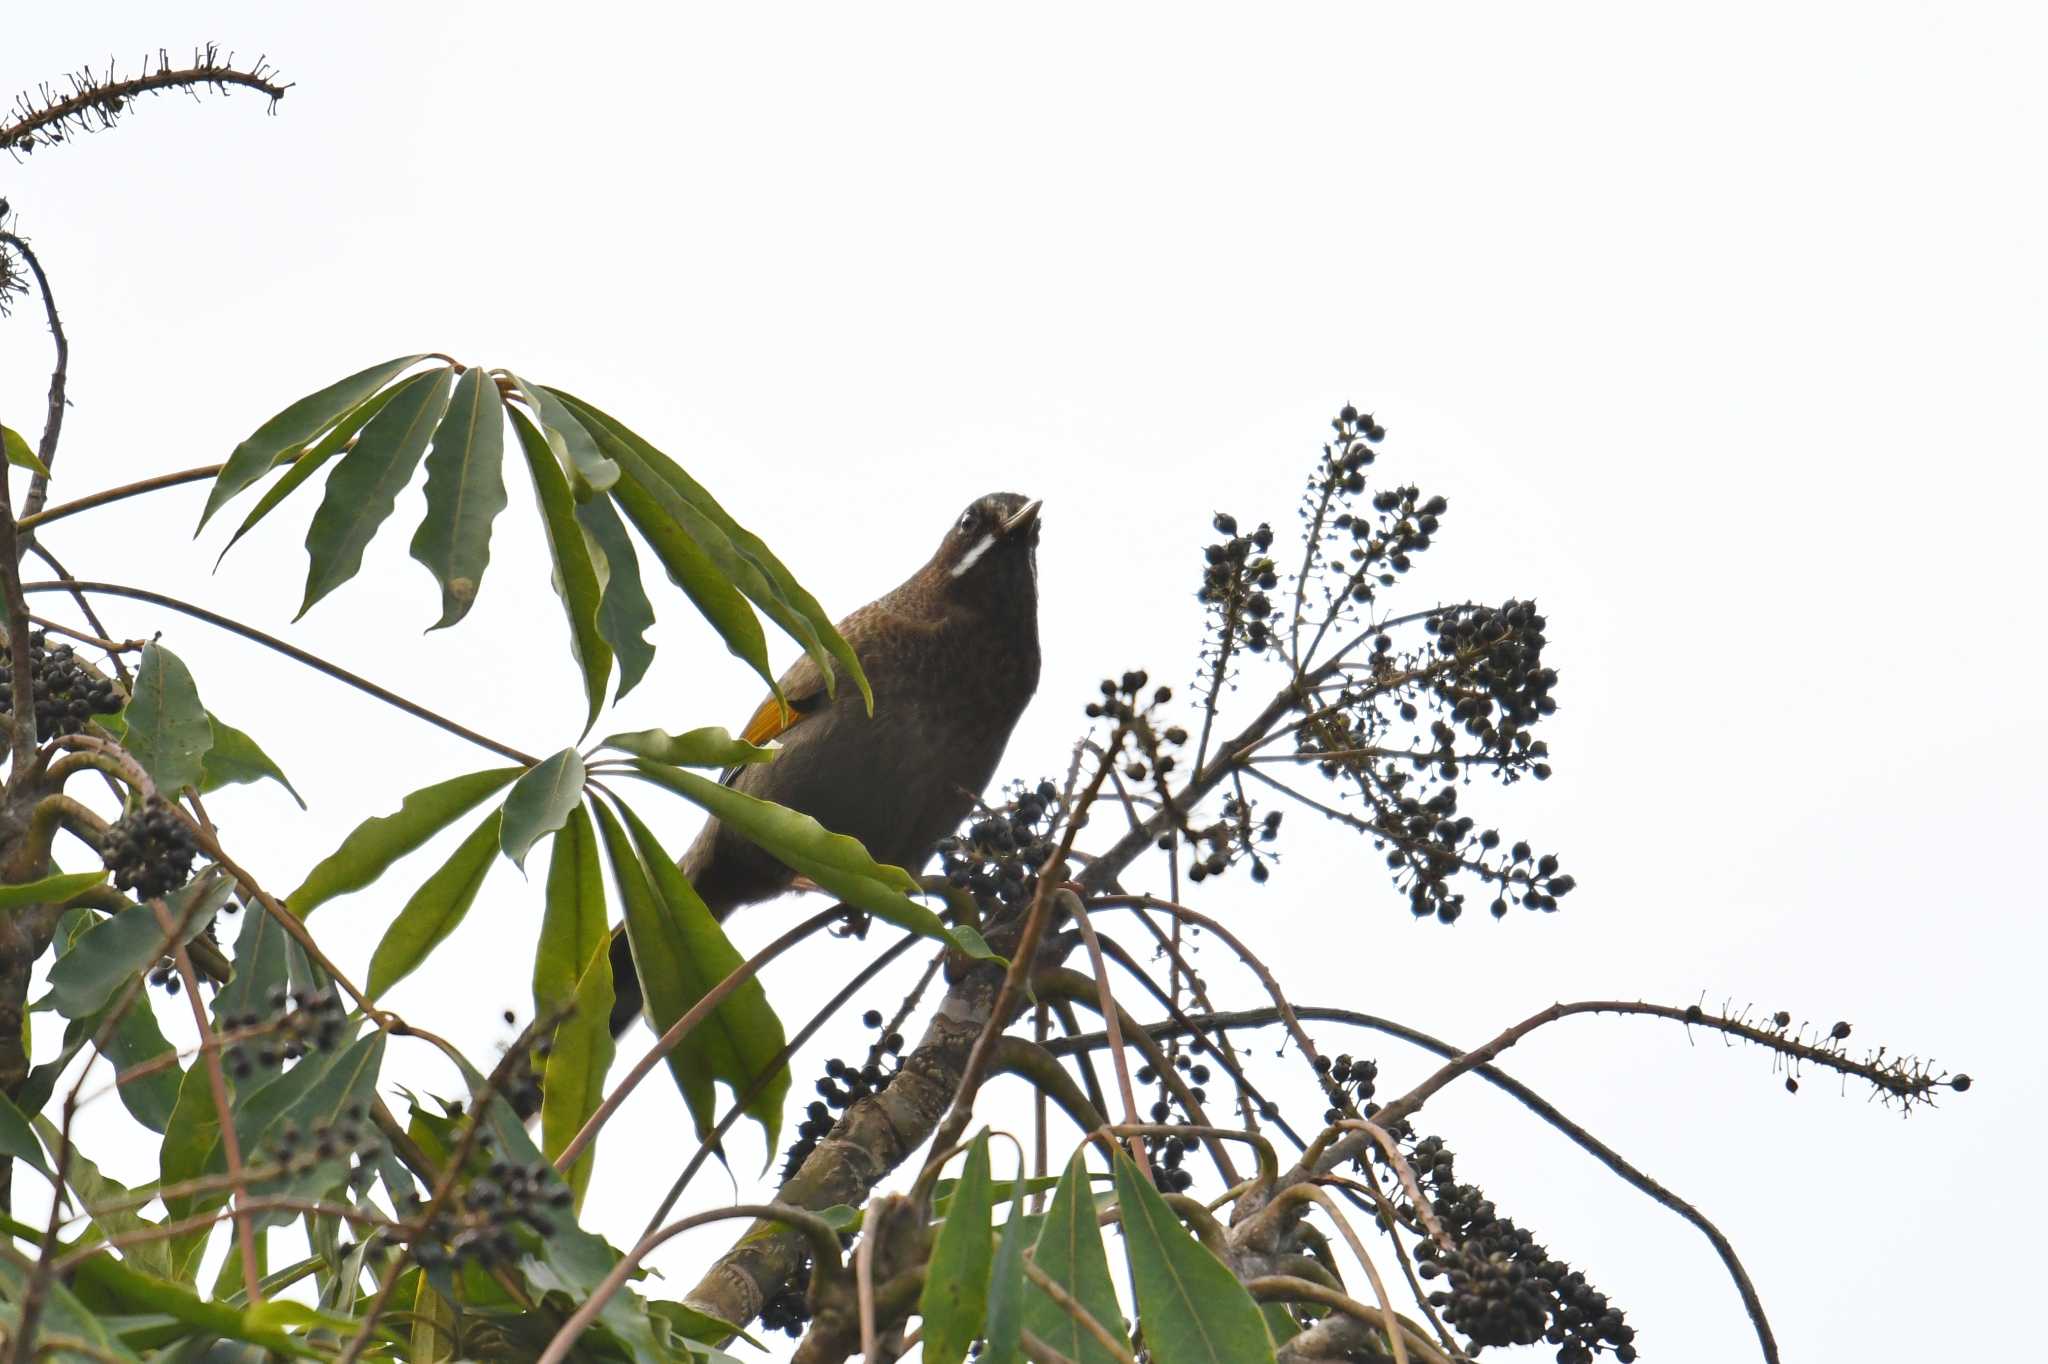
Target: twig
(1110, 1025)
(293, 652)
(53, 412)
(33, 518)
(230, 1142)
(1074, 1308)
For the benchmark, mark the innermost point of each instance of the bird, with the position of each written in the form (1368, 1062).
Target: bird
(952, 656)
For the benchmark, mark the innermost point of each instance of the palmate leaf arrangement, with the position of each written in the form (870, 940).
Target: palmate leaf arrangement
(452, 1231)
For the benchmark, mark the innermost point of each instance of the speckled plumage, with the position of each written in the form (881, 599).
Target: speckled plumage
(952, 655)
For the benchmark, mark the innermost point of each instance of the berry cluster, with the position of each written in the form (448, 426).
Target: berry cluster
(841, 1087)
(293, 1023)
(1348, 1084)
(150, 851)
(491, 1210)
(1234, 838)
(1503, 1288)
(348, 1136)
(68, 694)
(997, 856)
(1496, 686)
(1169, 1154)
(789, 1311)
(1237, 574)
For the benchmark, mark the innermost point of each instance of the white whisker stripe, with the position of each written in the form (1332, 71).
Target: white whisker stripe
(973, 556)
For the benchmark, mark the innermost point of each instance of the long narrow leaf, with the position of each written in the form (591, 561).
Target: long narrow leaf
(739, 552)
(690, 568)
(575, 576)
(956, 1283)
(624, 615)
(295, 426)
(572, 444)
(1005, 1331)
(573, 924)
(1069, 1250)
(580, 1053)
(465, 493)
(435, 909)
(364, 486)
(1193, 1309)
(837, 863)
(53, 889)
(712, 746)
(316, 455)
(681, 952)
(368, 852)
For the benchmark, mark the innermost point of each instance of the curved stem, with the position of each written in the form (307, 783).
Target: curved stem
(296, 654)
(31, 519)
(53, 413)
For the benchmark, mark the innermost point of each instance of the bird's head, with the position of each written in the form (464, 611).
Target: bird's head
(991, 550)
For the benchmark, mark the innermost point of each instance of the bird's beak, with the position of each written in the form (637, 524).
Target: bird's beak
(1026, 514)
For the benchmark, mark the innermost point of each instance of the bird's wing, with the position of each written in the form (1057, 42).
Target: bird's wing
(803, 691)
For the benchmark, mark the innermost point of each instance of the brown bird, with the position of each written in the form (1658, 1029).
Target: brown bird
(952, 655)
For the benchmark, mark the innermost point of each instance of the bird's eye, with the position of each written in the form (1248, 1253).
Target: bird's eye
(969, 519)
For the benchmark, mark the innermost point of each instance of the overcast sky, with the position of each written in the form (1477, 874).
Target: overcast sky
(1721, 329)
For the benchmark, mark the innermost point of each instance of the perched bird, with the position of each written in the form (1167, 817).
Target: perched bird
(952, 655)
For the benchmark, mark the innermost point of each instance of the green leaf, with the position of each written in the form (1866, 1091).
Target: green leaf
(190, 1149)
(260, 966)
(624, 614)
(368, 852)
(18, 1139)
(738, 551)
(319, 1089)
(540, 802)
(54, 889)
(1193, 1309)
(572, 967)
(137, 1038)
(119, 1290)
(690, 568)
(168, 730)
(435, 908)
(316, 456)
(100, 1197)
(681, 953)
(365, 485)
(117, 949)
(576, 580)
(956, 1283)
(575, 923)
(836, 863)
(234, 757)
(20, 454)
(1069, 1250)
(1006, 1293)
(63, 1315)
(465, 493)
(581, 1053)
(572, 444)
(295, 426)
(709, 747)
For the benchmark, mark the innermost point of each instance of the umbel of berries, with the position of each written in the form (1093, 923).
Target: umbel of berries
(149, 851)
(67, 694)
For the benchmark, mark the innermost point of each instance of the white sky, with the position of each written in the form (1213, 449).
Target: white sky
(1722, 331)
